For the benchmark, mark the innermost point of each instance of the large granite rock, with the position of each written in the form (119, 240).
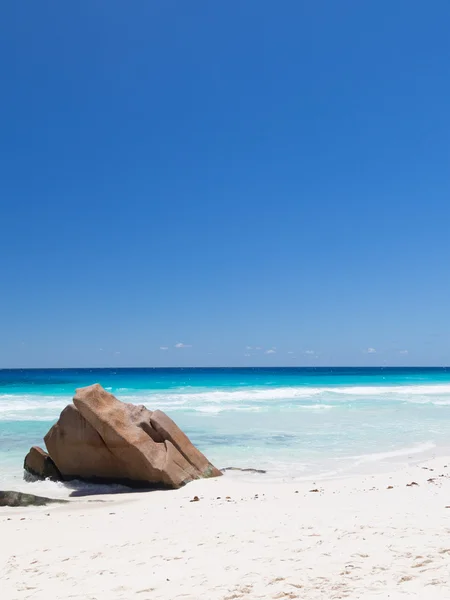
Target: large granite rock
(39, 464)
(99, 438)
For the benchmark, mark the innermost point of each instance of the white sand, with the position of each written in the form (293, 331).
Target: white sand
(352, 539)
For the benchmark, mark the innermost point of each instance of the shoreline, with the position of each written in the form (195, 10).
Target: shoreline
(353, 538)
(381, 463)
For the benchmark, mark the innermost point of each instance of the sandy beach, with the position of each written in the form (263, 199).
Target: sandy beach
(243, 538)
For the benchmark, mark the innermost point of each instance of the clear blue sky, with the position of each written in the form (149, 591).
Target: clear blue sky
(223, 175)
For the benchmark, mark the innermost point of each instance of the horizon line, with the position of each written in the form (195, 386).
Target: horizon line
(232, 367)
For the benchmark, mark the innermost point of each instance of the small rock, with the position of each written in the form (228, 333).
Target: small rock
(20, 499)
(411, 484)
(390, 487)
(39, 465)
(195, 499)
(315, 490)
(261, 471)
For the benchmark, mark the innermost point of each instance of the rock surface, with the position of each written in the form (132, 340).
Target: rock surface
(39, 464)
(19, 499)
(99, 438)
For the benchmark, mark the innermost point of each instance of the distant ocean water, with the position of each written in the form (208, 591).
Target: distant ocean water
(293, 422)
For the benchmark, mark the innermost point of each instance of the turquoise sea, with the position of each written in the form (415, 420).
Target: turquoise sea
(293, 422)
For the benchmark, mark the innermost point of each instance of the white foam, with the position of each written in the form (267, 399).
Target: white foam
(377, 456)
(380, 390)
(289, 393)
(57, 489)
(37, 407)
(31, 407)
(23, 403)
(215, 409)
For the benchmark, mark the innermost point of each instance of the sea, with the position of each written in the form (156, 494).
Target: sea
(293, 423)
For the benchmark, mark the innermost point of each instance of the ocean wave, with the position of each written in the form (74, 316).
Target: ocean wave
(422, 389)
(232, 407)
(251, 399)
(31, 402)
(435, 394)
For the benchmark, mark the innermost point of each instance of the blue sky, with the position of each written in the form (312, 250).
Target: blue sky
(225, 176)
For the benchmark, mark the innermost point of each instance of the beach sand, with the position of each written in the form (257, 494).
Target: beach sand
(244, 538)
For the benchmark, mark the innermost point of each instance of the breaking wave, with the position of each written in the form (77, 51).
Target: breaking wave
(19, 407)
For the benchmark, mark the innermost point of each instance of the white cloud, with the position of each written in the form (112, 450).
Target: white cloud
(181, 345)
(371, 351)
(163, 348)
(310, 351)
(403, 351)
(247, 354)
(248, 348)
(290, 352)
(116, 352)
(258, 348)
(271, 351)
